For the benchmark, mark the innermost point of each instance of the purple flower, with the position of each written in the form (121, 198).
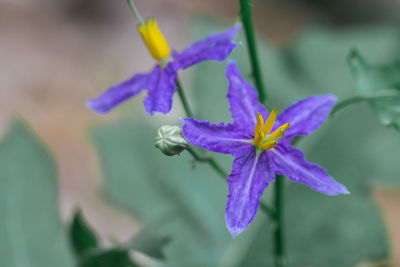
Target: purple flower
(260, 149)
(160, 82)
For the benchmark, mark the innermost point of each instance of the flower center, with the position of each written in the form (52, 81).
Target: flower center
(262, 139)
(154, 39)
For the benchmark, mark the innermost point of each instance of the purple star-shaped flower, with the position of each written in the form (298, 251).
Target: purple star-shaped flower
(262, 150)
(160, 82)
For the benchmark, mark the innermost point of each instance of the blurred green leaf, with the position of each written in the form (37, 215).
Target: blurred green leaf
(167, 189)
(320, 230)
(82, 236)
(149, 244)
(108, 258)
(379, 80)
(30, 229)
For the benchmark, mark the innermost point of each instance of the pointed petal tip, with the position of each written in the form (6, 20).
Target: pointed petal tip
(332, 97)
(236, 27)
(340, 189)
(235, 231)
(345, 191)
(93, 105)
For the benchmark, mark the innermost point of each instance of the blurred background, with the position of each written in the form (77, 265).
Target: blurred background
(56, 54)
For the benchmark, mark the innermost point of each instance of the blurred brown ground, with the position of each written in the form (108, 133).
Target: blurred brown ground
(56, 54)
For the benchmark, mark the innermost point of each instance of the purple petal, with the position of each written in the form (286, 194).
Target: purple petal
(251, 174)
(306, 115)
(243, 99)
(217, 46)
(290, 161)
(123, 91)
(161, 90)
(216, 137)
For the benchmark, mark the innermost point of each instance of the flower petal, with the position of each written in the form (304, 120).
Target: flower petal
(217, 46)
(123, 91)
(251, 174)
(216, 137)
(306, 115)
(161, 90)
(290, 161)
(243, 99)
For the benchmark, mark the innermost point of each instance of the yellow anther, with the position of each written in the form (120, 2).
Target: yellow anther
(259, 124)
(278, 132)
(154, 39)
(269, 144)
(270, 121)
(258, 138)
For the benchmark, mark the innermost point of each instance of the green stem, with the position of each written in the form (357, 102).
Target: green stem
(208, 160)
(245, 12)
(184, 101)
(135, 12)
(224, 175)
(278, 223)
(359, 98)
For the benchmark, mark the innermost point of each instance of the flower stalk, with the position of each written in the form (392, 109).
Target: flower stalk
(278, 223)
(245, 13)
(366, 97)
(183, 99)
(135, 12)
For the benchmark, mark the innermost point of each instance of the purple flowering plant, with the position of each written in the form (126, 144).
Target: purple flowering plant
(260, 149)
(259, 140)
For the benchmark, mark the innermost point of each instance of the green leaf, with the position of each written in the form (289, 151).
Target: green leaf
(30, 227)
(82, 236)
(166, 189)
(149, 244)
(108, 258)
(379, 80)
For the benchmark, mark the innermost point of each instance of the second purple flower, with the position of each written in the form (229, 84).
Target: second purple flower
(160, 82)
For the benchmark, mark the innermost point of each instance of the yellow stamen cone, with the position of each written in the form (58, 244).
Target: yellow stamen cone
(269, 145)
(259, 124)
(270, 121)
(154, 39)
(278, 132)
(258, 138)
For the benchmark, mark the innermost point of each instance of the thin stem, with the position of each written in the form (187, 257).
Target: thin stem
(245, 12)
(267, 209)
(208, 160)
(184, 101)
(278, 223)
(135, 12)
(359, 98)
(224, 175)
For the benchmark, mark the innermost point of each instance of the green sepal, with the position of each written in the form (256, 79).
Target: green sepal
(82, 236)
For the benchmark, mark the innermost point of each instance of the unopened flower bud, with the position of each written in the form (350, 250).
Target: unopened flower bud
(170, 140)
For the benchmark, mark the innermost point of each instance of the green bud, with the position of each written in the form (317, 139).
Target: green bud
(170, 140)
